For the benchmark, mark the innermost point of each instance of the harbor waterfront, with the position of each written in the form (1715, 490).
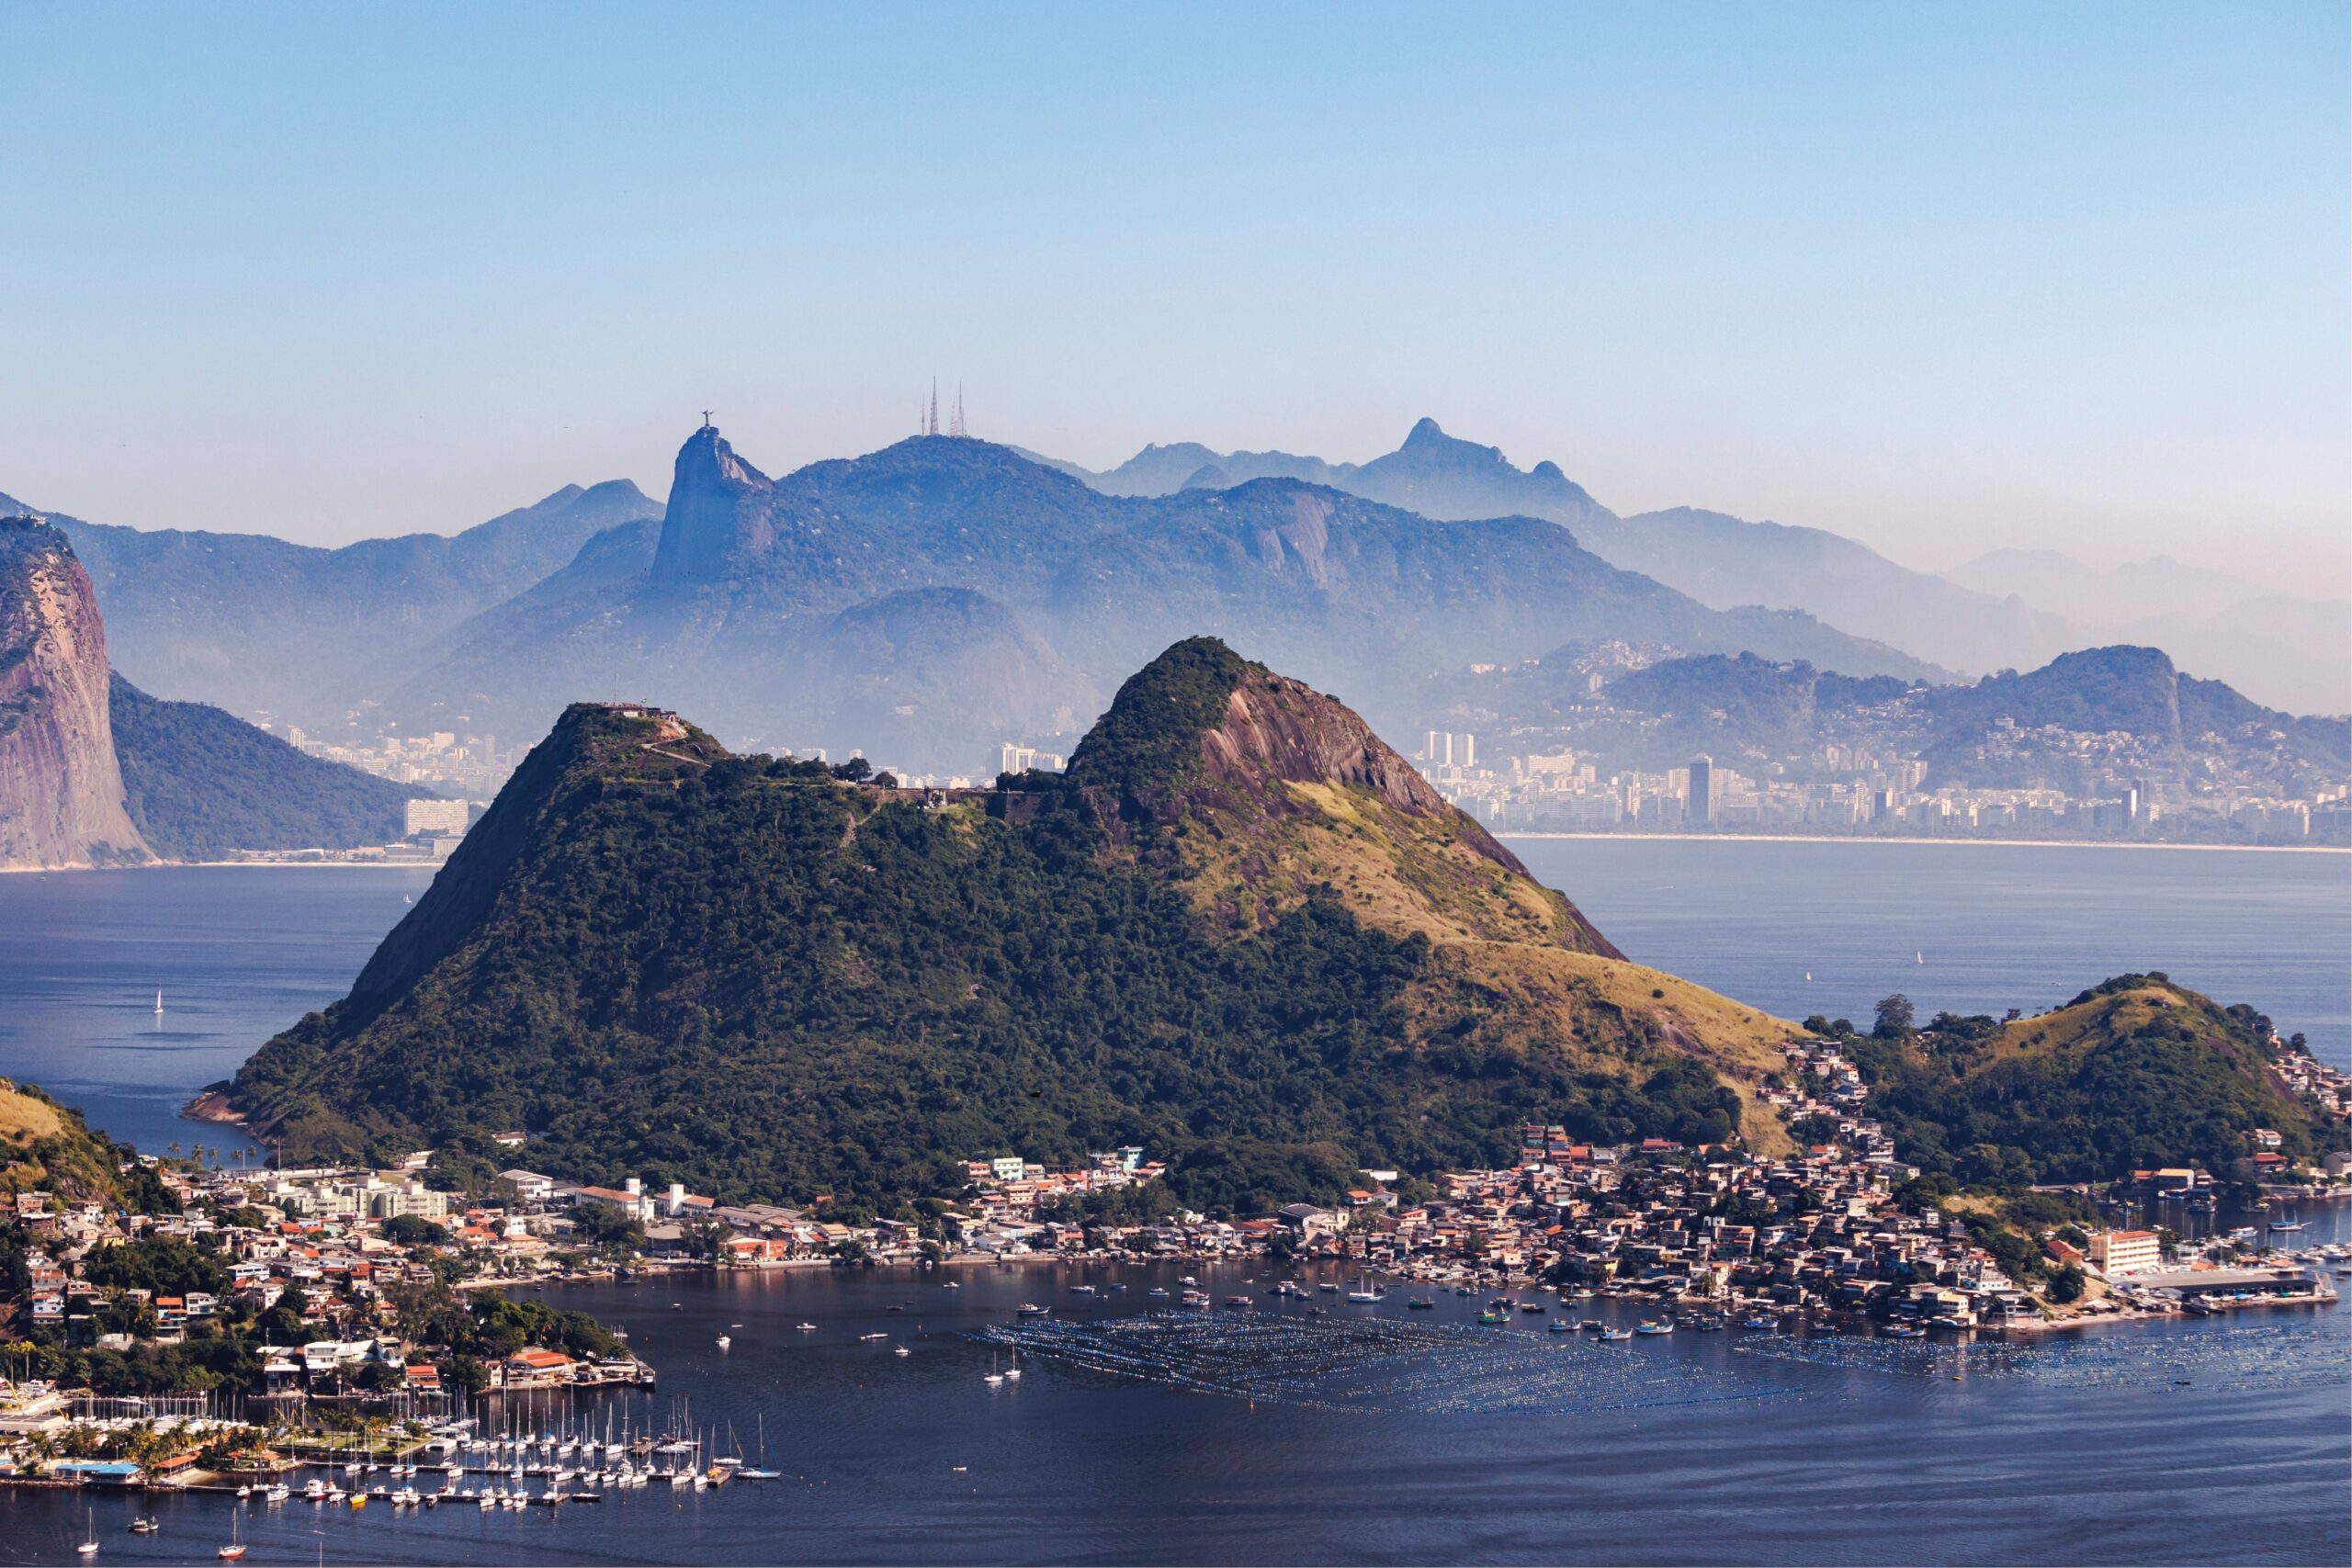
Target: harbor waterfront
(1370, 1431)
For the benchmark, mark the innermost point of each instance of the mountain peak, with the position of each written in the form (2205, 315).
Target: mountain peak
(1200, 721)
(1425, 432)
(1275, 794)
(717, 510)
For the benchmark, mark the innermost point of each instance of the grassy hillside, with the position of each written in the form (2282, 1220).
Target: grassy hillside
(46, 1147)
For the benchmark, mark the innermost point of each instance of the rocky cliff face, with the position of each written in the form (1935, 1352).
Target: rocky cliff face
(61, 788)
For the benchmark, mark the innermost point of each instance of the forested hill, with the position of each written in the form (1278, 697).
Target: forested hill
(201, 783)
(2135, 1073)
(1236, 935)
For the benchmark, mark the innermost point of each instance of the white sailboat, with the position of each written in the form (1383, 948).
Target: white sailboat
(158, 1001)
(89, 1546)
(1013, 1373)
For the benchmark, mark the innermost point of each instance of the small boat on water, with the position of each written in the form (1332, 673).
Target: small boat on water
(1031, 1309)
(724, 1341)
(1158, 1291)
(1364, 1294)
(1613, 1334)
(1651, 1325)
(88, 1546)
(1420, 1304)
(1012, 1373)
(995, 1378)
(805, 1328)
(144, 1526)
(1561, 1325)
(902, 1350)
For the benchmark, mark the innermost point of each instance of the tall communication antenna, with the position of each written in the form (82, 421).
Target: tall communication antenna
(931, 423)
(955, 423)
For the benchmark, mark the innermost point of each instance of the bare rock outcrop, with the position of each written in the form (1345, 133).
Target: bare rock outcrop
(60, 787)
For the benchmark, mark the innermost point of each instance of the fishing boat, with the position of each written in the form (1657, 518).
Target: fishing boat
(144, 1526)
(1756, 1323)
(1651, 1325)
(1613, 1334)
(1420, 1304)
(1561, 1325)
(1490, 1316)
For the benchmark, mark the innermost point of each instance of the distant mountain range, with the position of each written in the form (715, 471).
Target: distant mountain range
(928, 600)
(2008, 610)
(931, 598)
(2119, 711)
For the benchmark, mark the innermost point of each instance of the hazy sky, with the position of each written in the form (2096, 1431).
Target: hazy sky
(1945, 278)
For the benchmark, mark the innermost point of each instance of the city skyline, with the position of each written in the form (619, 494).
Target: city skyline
(1943, 287)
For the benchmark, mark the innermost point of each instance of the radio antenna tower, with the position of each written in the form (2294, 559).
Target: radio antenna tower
(930, 422)
(955, 422)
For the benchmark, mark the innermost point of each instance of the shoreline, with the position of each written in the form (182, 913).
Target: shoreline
(1938, 844)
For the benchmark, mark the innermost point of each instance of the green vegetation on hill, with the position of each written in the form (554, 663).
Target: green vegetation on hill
(1151, 736)
(201, 783)
(758, 979)
(2134, 1074)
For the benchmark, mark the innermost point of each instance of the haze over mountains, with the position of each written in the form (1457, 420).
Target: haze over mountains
(928, 600)
(2006, 610)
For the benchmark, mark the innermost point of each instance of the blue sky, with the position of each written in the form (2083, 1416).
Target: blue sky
(1941, 278)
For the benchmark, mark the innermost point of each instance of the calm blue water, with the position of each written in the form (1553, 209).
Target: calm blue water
(2198, 1441)
(1972, 927)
